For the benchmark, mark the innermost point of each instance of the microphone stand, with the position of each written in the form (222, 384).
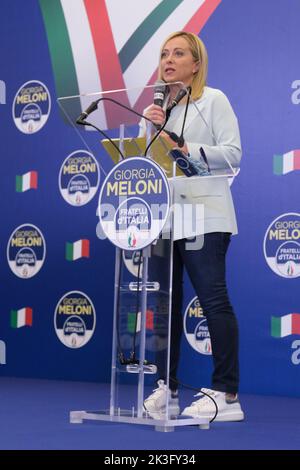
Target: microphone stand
(81, 120)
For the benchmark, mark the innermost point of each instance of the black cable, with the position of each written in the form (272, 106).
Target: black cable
(86, 123)
(189, 387)
(81, 120)
(132, 354)
(181, 139)
(155, 137)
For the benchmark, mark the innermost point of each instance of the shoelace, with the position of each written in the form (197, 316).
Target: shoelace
(161, 388)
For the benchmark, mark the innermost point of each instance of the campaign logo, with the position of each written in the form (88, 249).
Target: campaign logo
(79, 178)
(286, 325)
(31, 107)
(114, 56)
(282, 246)
(2, 92)
(27, 181)
(75, 319)
(134, 203)
(287, 162)
(21, 317)
(26, 251)
(196, 329)
(2, 352)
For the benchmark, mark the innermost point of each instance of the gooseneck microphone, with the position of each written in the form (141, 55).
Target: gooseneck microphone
(181, 94)
(81, 120)
(92, 107)
(179, 139)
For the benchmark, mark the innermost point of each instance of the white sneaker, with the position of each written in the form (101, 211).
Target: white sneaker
(155, 404)
(205, 407)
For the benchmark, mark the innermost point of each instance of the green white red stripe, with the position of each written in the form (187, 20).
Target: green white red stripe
(27, 181)
(22, 317)
(78, 249)
(96, 45)
(131, 321)
(286, 325)
(286, 163)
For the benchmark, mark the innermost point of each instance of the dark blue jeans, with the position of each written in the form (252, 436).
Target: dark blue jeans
(206, 269)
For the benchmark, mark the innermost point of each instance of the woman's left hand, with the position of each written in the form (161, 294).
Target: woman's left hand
(172, 142)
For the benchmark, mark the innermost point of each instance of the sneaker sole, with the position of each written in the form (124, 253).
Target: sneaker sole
(174, 411)
(221, 417)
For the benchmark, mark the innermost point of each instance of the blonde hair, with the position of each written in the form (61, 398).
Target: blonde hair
(199, 54)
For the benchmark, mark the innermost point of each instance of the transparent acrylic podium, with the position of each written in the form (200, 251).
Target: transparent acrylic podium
(141, 313)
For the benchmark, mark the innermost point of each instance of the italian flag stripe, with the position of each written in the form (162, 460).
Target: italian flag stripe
(78, 249)
(61, 52)
(91, 53)
(192, 17)
(286, 325)
(145, 31)
(107, 59)
(88, 78)
(26, 181)
(286, 163)
(22, 317)
(131, 321)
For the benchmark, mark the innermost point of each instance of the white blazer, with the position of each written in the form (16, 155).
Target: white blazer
(212, 125)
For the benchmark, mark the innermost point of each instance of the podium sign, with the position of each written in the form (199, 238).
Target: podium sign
(134, 203)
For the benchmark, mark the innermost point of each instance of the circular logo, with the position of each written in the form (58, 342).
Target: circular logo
(79, 178)
(282, 245)
(31, 107)
(196, 329)
(75, 319)
(134, 203)
(26, 251)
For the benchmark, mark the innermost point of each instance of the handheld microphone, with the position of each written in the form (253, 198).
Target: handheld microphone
(179, 140)
(160, 91)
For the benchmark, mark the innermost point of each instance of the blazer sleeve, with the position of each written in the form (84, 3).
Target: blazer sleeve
(225, 131)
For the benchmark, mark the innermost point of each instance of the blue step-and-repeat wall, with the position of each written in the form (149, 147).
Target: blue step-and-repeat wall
(54, 267)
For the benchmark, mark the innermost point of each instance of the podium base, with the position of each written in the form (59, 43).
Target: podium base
(164, 424)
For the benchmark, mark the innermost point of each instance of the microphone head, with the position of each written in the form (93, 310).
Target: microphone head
(181, 94)
(160, 91)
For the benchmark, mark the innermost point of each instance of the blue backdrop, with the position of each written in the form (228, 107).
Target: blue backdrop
(254, 59)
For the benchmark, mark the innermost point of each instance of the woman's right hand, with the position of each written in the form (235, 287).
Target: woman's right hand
(156, 114)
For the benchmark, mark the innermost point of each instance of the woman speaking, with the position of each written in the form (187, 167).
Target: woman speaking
(214, 133)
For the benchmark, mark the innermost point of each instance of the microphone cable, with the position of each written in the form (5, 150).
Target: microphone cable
(180, 140)
(189, 387)
(81, 120)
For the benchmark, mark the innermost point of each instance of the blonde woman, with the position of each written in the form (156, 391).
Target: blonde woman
(211, 129)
